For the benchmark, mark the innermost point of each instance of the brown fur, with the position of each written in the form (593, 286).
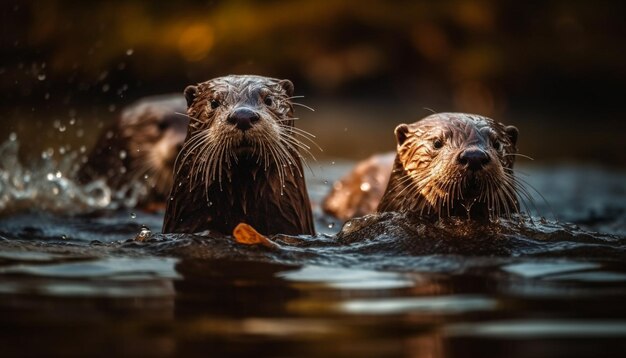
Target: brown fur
(225, 176)
(140, 148)
(430, 179)
(359, 192)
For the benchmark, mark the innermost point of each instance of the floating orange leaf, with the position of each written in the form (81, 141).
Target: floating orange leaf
(245, 234)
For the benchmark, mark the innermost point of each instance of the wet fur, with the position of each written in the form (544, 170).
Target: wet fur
(429, 182)
(224, 176)
(143, 141)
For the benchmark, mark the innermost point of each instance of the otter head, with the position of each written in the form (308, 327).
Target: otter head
(139, 149)
(236, 118)
(240, 160)
(454, 164)
(154, 130)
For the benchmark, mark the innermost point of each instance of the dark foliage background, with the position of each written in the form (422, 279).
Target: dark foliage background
(556, 69)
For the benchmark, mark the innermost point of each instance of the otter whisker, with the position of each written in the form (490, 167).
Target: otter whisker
(189, 117)
(310, 140)
(522, 187)
(518, 155)
(303, 106)
(300, 145)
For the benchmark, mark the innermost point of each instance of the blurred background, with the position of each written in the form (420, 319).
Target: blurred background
(555, 69)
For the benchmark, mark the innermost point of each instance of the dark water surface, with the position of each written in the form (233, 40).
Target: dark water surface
(81, 284)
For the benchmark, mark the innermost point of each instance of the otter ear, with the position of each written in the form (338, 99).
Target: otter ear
(190, 94)
(402, 132)
(512, 132)
(287, 86)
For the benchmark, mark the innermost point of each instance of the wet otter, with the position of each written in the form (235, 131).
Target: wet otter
(359, 192)
(240, 161)
(454, 164)
(137, 152)
(423, 175)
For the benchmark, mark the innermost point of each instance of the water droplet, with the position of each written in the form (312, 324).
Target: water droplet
(41, 77)
(83, 149)
(80, 133)
(58, 174)
(62, 129)
(106, 87)
(133, 215)
(12, 137)
(143, 234)
(331, 225)
(122, 154)
(210, 203)
(365, 186)
(332, 163)
(50, 176)
(129, 52)
(46, 96)
(63, 237)
(146, 177)
(72, 121)
(325, 181)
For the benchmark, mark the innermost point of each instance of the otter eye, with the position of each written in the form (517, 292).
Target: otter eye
(497, 145)
(214, 104)
(163, 125)
(438, 144)
(268, 101)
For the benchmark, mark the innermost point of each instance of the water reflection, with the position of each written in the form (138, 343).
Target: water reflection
(555, 289)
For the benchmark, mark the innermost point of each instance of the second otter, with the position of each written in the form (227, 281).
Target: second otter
(240, 160)
(447, 164)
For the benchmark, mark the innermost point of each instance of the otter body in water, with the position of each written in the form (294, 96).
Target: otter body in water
(453, 164)
(359, 192)
(139, 149)
(240, 161)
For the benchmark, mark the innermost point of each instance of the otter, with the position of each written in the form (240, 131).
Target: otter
(429, 179)
(240, 161)
(138, 150)
(454, 164)
(359, 192)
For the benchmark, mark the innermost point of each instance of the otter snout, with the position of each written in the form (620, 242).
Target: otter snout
(243, 118)
(474, 159)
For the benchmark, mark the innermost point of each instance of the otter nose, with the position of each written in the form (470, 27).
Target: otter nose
(243, 118)
(475, 159)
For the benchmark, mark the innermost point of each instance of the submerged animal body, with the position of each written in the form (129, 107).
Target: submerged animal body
(240, 162)
(454, 164)
(359, 192)
(139, 149)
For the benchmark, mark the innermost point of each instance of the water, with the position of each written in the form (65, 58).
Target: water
(78, 282)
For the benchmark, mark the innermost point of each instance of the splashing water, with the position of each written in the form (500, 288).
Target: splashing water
(49, 185)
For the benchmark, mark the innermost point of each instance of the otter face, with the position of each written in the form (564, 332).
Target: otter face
(155, 130)
(455, 161)
(239, 117)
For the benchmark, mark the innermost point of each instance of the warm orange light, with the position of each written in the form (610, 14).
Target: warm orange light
(196, 41)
